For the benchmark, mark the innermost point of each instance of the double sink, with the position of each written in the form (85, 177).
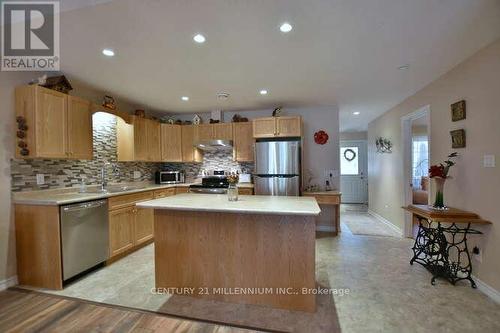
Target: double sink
(112, 189)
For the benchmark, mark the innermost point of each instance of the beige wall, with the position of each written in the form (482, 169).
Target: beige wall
(8, 82)
(472, 187)
(353, 136)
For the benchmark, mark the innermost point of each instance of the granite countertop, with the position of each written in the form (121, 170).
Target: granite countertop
(257, 204)
(69, 195)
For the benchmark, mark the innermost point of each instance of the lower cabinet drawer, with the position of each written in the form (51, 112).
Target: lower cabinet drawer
(245, 191)
(179, 190)
(164, 193)
(129, 199)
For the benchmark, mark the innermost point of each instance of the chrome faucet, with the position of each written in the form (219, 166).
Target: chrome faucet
(104, 176)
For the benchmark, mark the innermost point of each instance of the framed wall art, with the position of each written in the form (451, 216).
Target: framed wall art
(458, 138)
(458, 111)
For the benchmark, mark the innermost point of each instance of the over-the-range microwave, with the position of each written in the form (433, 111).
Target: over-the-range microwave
(169, 177)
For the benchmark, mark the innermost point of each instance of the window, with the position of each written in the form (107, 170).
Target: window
(420, 160)
(349, 158)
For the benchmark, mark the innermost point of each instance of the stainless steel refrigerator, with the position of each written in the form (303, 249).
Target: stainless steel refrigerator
(277, 167)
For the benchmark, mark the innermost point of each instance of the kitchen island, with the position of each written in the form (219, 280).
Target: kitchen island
(257, 250)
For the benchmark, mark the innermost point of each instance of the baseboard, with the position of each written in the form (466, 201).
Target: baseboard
(325, 228)
(7, 283)
(386, 222)
(487, 290)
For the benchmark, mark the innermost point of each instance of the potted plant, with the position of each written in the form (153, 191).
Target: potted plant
(439, 172)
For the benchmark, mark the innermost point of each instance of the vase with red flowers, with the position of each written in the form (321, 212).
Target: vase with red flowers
(439, 173)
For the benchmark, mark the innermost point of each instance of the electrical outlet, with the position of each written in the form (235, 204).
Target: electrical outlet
(137, 174)
(477, 254)
(40, 179)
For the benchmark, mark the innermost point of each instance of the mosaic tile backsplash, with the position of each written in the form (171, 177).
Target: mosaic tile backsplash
(67, 173)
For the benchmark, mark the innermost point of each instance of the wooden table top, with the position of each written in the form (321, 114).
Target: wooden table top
(307, 193)
(451, 215)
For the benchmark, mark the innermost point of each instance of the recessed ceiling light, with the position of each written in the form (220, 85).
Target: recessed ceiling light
(199, 38)
(185, 98)
(108, 52)
(404, 67)
(286, 27)
(263, 92)
(356, 113)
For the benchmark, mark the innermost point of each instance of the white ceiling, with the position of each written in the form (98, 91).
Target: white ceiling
(340, 52)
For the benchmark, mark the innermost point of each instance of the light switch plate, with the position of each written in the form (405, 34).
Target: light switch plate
(40, 179)
(489, 161)
(137, 174)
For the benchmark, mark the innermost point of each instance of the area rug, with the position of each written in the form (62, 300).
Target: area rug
(362, 223)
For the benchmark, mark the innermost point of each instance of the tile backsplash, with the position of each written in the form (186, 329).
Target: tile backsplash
(67, 173)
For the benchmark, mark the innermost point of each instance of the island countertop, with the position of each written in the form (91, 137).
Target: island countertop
(253, 204)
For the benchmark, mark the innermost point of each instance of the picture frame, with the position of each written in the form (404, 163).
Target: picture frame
(458, 138)
(458, 111)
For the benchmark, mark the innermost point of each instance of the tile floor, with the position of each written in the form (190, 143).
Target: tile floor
(386, 293)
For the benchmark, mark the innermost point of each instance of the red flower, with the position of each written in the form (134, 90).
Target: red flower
(437, 171)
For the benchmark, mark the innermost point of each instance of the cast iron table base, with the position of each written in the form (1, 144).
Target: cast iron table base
(443, 251)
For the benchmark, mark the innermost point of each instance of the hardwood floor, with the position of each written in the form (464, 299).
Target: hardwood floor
(22, 311)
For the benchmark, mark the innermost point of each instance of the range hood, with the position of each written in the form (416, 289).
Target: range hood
(215, 145)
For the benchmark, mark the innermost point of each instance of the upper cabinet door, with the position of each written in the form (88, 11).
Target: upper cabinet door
(223, 131)
(288, 126)
(188, 150)
(124, 140)
(141, 149)
(153, 141)
(171, 144)
(243, 142)
(51, 123)
(79, 129)
(203, 132)
(264, 127)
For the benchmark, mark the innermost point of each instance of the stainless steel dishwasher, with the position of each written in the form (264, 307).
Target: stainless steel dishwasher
(84, 236)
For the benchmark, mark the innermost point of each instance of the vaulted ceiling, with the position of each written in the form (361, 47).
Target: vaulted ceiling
(344, 53)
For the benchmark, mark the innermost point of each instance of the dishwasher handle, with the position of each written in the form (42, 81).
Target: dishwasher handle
(83, 206)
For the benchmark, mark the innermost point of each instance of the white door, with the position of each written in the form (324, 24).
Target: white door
(353, 172)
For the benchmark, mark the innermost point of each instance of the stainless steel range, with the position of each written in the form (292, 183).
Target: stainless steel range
(211, 184)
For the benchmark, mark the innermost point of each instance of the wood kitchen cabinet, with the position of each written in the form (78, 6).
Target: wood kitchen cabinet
(203, 132)
(223, 131)
(271, 127)
(189, 152)
(80, 142)
(58, 125)
(121, 230)
(124, 141)
(129, 226)
(245, 191)
(171, 143)
(146, 140)
(243, 142)
(220, 131)
(144, 222)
